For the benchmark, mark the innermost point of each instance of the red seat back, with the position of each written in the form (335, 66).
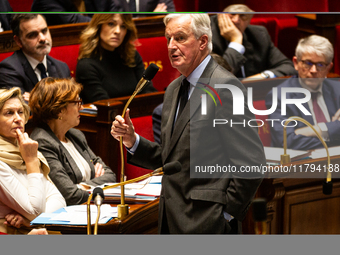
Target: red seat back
(154, 50)
(67, 54)
(143, 127)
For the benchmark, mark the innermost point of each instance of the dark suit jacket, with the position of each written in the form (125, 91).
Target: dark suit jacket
(64, 171)
(260, 53)
(331, 94)
(68, 6)
(196, 205)
(16, 71)
(5, 19)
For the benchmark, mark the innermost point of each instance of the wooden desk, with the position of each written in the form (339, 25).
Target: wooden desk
(298, 206)
(142, 219)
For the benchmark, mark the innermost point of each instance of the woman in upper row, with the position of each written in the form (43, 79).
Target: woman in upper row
(108, 64)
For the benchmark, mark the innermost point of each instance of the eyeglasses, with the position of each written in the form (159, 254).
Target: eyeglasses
(320, 66)
(79, 102)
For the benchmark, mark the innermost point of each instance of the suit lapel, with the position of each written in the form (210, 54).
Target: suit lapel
(188, 111)
(327, 94)
(168, 128)
(51, 68)
(69, 158)
(28, 69)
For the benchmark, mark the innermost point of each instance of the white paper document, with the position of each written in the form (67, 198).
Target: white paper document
(77, 214)
(321, 153)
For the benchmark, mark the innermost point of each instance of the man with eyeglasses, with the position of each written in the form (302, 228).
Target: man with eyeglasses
(248, 49)
(313, 61)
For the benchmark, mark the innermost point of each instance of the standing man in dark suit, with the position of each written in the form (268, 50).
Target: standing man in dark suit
(248, 49)
(198, 203)
(313, 61)
(31, 63)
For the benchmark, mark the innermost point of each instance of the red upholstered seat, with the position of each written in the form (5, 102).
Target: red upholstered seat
(154, 50)
(143, 127)
(336, 59)
(5, 55)
(67, 54)
(270, 24)
(21, 5)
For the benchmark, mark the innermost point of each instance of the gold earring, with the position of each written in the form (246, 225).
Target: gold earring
(60, 118)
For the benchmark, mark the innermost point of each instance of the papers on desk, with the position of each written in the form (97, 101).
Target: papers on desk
(76, 215)
(320, 153)
(273, 154)
(148, 189)
(90, 109)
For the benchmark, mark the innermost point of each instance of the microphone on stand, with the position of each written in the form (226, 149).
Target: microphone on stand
(168, 169)
(98, 198)
(260, 215)
(148, 75)
(327, 186)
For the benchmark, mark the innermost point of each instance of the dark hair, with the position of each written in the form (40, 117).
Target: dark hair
(50, 96)
(18, 18)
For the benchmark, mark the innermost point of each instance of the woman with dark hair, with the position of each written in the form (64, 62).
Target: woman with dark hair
(25, 188)
(55, 105)
(109, 65)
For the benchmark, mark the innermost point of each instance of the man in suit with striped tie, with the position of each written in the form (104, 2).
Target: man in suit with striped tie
(313, 61)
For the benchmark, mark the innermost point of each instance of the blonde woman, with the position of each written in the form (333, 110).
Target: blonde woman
(25, 188)
(108, 64)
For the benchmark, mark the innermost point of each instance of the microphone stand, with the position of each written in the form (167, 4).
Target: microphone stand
(98, 216)
(285, 158)
(123, 209)
(157, 172)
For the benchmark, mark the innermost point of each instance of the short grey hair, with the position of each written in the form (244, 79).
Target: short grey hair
(200, 25)
(319, 45)
(240, 8)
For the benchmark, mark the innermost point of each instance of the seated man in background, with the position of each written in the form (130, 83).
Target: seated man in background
(149, 6)
(74, 6)
(247, 48)
(31, 63)
(313, 61)
(5, 19)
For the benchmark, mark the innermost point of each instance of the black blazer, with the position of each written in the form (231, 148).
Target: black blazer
(196, 205)
(16, 71)
(64, 171)
(260, 53)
